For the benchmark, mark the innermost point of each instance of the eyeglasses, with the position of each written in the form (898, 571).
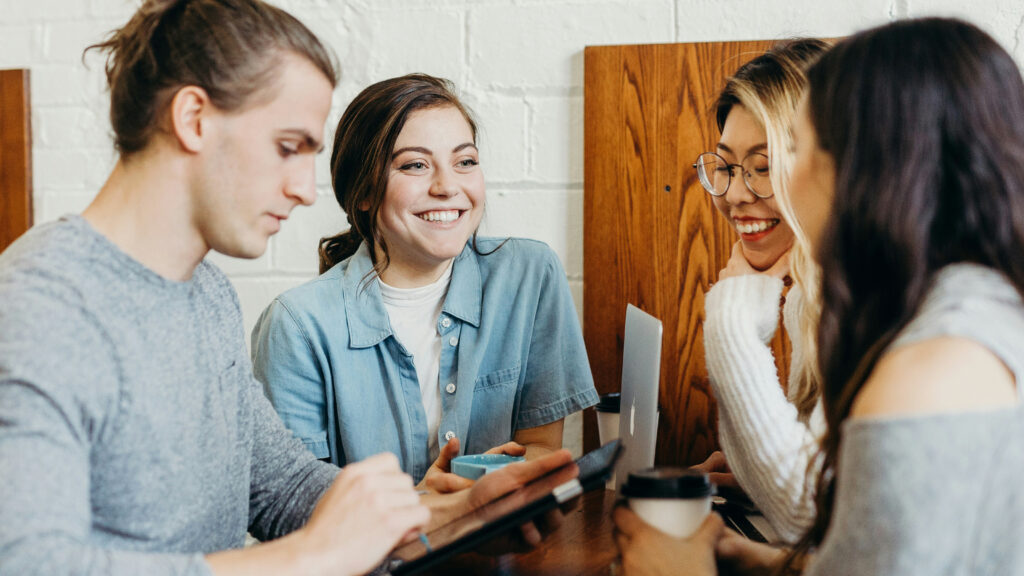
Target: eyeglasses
(715, 174)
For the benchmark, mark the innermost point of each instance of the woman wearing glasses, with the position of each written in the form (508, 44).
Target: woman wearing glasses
(769, 437)
(908, 179)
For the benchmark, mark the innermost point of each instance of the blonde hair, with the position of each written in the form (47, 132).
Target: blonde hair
(770, 87)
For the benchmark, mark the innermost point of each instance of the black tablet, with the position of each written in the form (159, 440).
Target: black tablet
(506, 513)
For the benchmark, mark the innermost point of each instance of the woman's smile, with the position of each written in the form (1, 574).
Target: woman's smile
(754, 229)
(441, 216)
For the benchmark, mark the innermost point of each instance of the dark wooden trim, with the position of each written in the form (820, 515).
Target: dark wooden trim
(15, 156)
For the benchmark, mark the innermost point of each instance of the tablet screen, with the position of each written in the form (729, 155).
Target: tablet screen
(509, 511)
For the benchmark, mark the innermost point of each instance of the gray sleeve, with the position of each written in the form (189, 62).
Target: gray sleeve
(912, 494)
(287, 480)
(58, 395)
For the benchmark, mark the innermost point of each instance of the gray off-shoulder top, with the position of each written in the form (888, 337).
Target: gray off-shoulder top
(944, 493)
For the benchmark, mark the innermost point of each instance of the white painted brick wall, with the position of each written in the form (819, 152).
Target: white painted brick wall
(1003, 19)
(20, 43)
(538, 45)
(502, 134)
(518, 64)
(756, 19)
(556, 138)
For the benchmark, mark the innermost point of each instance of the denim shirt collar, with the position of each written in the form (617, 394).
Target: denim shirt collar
(368, 323)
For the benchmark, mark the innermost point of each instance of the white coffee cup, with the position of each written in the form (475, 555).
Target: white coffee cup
(673, 500)
(608, 424)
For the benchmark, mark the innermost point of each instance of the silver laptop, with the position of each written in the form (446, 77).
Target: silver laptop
(638, 412)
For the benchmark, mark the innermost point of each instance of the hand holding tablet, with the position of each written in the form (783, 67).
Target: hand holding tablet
(505, 500)
(442, 479)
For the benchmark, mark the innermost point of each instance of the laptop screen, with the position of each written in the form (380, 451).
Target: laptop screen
(641, 374)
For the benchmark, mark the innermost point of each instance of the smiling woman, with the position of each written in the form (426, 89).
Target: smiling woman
(748, 202)
(769, 436)
(434, 198)
(421, 338)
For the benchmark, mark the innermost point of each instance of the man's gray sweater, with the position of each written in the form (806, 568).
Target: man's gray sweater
(133, 436)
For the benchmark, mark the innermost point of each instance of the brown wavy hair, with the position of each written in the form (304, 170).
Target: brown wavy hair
(924, 120)
(229, 48)
(360, 160)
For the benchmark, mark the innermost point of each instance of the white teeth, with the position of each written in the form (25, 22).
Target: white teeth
(440, 216)
(755, 226)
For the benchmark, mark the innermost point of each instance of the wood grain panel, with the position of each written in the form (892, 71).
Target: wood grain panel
(15, 156)
(651, 234)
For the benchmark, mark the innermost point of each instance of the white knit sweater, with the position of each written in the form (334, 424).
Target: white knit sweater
(767, 445)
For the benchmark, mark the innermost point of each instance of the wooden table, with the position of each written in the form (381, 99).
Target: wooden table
(582, 545)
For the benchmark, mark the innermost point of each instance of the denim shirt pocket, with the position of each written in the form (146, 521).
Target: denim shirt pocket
(502, 377)
(494, 400)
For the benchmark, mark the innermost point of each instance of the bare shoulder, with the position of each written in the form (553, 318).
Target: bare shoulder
(938, 375)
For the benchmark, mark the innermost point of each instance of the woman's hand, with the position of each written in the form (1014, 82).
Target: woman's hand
(738, 265)
(646, 550)
(490, 487)
(370, 507)
(738, 556)
(516, 475)
(718, 471)
(439, 477)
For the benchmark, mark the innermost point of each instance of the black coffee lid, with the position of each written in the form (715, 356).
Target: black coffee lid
(609, 402)
(667, 482)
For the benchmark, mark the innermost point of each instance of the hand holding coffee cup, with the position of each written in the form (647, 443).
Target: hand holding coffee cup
(673, 500)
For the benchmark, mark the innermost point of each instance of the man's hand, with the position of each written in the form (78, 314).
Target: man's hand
(647, 551)
(369, 508)
(439, 477)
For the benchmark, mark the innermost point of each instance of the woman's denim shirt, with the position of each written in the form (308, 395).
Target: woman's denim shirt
(512, 357)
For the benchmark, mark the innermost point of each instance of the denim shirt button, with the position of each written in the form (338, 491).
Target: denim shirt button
(449, 435)
(446, 322)
(450, 388)
(453, 341)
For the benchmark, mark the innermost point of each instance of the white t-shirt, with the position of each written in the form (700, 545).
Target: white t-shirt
(414, 313)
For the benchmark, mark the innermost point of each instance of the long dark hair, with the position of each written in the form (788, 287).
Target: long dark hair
(924, 120)
(229, 48)
(363, 144)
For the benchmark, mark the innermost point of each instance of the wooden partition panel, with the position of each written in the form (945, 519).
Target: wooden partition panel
(651, 234)
(15, 156)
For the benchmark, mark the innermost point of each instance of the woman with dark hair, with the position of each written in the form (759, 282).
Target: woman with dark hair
(419, 338)
(909, 180)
